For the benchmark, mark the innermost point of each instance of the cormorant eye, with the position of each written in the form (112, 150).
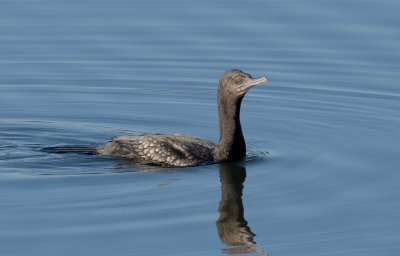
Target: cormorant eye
(239, 81)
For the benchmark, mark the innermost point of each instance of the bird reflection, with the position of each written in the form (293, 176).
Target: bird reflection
(232, 227)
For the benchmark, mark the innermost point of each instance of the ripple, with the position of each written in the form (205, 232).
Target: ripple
(258, 151)
(23, 142)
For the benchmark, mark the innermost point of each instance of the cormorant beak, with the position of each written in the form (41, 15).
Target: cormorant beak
(251, 83)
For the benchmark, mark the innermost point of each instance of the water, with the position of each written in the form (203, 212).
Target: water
(321, 175)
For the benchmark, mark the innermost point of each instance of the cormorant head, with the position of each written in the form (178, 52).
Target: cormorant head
(236, 83)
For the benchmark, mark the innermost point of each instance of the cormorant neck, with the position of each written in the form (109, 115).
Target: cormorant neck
(231, 146)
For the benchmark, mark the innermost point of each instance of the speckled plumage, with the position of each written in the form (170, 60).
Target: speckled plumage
(164, 149)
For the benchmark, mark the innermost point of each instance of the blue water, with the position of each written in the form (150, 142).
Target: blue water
(321, 176)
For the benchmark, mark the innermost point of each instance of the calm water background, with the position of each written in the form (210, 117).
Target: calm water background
(322, 172)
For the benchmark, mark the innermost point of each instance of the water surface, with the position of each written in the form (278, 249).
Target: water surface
(321, 174)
